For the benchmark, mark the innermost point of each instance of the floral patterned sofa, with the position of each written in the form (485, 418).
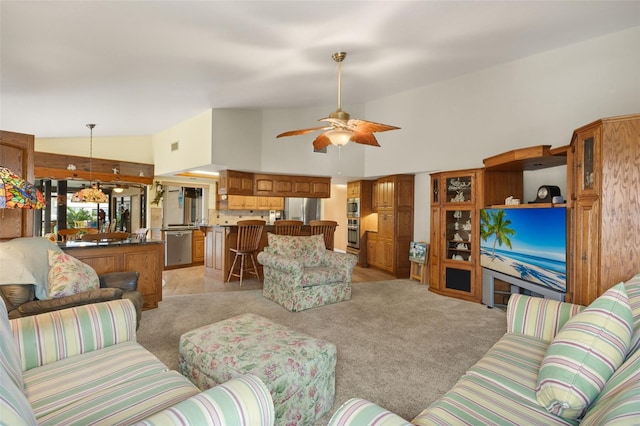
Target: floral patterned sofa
(299, 273)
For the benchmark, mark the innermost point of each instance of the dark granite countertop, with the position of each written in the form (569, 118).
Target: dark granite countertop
(89, 244)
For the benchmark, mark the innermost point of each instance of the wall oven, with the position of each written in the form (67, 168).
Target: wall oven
(353, 233)
(353, 207)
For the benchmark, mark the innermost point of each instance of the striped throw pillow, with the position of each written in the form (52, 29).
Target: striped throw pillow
(584, 355)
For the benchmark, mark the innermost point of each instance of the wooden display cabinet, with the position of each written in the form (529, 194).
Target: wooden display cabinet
(604, 207)
(455, 254)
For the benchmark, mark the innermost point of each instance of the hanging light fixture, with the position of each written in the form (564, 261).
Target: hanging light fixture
(93, 194)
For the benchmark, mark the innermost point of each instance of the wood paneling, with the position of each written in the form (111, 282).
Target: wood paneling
(54, 166)
(604, 245)
(145, 258)
(16, 154)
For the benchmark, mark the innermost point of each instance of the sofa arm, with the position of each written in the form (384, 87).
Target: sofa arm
(360, 412)
(282, 263)
(127, 281)
(538, 317)
(36, 307)
(50, 337)
(338, 260)
(242, 401)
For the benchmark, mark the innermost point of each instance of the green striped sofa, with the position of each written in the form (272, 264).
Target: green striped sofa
(507, 385)
(82, 366)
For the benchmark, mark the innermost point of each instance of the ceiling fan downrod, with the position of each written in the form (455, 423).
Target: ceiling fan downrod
(339, 57)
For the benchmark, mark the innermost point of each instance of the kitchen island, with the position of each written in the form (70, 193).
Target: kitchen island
(145, 257)
(220, 239)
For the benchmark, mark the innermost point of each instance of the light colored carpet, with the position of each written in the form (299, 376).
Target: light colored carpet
(399, 344)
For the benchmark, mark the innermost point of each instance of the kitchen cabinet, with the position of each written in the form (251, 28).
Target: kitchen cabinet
(292, 186)
(395, 225)
(603, 205)
(147, 258)
(353, 189)
(231, 182)
(197, 247)
(361, 190)
(244, 202)
(270, 203)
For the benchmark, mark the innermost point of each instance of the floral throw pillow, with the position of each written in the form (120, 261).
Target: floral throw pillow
(68, 275)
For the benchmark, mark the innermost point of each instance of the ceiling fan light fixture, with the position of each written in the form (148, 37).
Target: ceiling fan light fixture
(118, 189)
(339, 137)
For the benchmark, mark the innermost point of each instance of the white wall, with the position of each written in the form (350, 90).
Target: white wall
(137, 149)
(194, 145)
(235, 141)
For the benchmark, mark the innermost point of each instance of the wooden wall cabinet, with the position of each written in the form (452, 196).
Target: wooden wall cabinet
(145, 258)
(231, 182)
(604, 207)
(292, 186)
(16, 154)
(246, 202)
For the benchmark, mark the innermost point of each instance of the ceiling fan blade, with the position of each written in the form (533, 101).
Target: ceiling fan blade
(301, 131)
(370, 126)
(365, 138)
(321, 141)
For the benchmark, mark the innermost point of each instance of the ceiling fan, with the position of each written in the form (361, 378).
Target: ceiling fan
(341, 128)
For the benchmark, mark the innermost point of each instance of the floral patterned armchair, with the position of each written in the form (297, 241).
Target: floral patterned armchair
(299, 273)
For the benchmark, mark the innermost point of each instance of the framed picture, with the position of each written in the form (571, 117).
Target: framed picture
(418, 252)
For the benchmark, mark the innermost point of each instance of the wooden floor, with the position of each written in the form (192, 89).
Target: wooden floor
(191, 280)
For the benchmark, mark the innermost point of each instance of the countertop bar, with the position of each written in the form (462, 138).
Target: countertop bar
(143, 256)
(70, 245)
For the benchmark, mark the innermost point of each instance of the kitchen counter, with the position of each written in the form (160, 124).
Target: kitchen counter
(145, 257)
(220, 239)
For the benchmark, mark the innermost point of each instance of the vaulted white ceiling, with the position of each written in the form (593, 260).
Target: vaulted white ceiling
(138, 67)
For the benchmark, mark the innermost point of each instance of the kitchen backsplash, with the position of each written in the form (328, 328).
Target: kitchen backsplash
(228, 217)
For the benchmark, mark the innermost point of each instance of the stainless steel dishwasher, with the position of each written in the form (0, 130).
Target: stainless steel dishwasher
(177, 249)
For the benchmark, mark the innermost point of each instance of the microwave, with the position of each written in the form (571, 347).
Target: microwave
(353, 207)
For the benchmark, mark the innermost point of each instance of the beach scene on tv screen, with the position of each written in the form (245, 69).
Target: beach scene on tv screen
(526, 243)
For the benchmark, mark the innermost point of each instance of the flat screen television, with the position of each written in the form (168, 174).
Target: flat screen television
(528, 243)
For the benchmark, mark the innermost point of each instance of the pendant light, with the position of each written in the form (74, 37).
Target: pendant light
(93, 194)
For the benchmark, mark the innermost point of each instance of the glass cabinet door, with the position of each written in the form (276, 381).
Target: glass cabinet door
(458, 234)
(587, 156)
(459, 189)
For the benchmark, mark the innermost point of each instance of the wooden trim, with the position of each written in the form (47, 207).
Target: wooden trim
(54, 166)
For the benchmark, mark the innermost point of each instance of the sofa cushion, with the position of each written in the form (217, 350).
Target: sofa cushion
(10, 363)
(322, 276)
(584, 355)
(618, 402)
(633, 291)
(477, 401)
(68, 275)
(25, 261)
(307, 249)
(105, 382)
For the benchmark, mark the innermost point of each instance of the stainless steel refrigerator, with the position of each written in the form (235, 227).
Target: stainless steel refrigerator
(304, 209)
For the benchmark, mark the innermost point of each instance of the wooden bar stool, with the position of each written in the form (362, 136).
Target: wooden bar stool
(249, 234)
(326, 228)
(288, 227)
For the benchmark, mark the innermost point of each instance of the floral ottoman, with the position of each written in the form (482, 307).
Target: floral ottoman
(299, 370)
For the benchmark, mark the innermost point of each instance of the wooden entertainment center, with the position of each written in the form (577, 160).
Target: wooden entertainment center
(602, 202)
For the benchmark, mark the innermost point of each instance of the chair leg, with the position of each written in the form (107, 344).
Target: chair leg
(232, 266)
(241, 268)
(255, 267)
